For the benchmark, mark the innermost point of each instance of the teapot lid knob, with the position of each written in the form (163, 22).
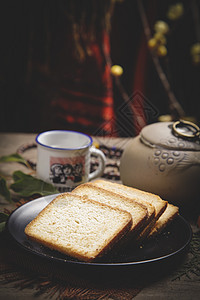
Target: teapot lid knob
(186, 129)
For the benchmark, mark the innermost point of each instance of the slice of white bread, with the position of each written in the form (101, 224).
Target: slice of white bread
(137, 211)
(155, 205)
(150, 208)
(138, 195)
(165, 219)
(79, 227)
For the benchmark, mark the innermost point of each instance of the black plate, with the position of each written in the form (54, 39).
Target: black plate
(172, 242)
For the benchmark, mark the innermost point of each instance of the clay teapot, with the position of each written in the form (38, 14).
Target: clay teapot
(164, 159)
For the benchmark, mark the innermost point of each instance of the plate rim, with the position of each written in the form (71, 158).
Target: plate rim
(93, 264)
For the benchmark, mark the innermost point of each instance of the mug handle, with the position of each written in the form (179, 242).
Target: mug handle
(102, 163)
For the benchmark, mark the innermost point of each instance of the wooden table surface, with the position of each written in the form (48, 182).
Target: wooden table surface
(163, 288)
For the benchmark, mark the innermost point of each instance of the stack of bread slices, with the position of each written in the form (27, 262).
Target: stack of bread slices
(96, 217)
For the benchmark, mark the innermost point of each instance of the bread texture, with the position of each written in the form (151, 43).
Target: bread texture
(165, 219)
(138, 211)
(154, 201)
(154, 204)
(79, 227)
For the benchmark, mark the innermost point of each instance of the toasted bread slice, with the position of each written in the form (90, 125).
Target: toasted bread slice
(79, 227)
(137, 211)
(165, 219)
(138, 195)
(155, 205)
(145, 232)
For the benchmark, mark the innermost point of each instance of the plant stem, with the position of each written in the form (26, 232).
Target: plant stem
(174, 106)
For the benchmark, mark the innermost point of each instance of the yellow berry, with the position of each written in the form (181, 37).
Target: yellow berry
(117, 70)
(152, 43)
(96, 144)
(195, 49)
(165, 118)
(161, 26)
(175, 11)
(160, 38)
(161, 50)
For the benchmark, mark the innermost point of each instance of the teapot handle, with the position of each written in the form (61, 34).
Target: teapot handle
(193, 129)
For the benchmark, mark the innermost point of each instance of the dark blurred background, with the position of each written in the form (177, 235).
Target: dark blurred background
(55, 64)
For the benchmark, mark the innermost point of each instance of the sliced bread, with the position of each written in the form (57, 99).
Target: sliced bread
(79, 227)
(155, 205)
(137, 211)
(165, 219)
(138, 195)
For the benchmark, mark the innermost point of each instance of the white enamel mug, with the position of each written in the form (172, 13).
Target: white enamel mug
(63, 158)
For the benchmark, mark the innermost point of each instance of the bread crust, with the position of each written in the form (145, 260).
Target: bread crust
(106, 246)
(155, 205)
(150, 223)
(165, 219)
(155, 201)
(138, 220)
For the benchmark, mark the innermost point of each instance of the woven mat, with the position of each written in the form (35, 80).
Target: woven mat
(25, 270)
(112, 154)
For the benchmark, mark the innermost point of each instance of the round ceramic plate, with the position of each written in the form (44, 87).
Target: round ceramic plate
(172, 242)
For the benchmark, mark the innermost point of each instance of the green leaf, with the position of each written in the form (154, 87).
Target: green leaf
(27, 185)
(4, 191)
(3, 219)
(2, 226)
(15, 157)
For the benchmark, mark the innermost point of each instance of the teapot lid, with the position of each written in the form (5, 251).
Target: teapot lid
(182, 135)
